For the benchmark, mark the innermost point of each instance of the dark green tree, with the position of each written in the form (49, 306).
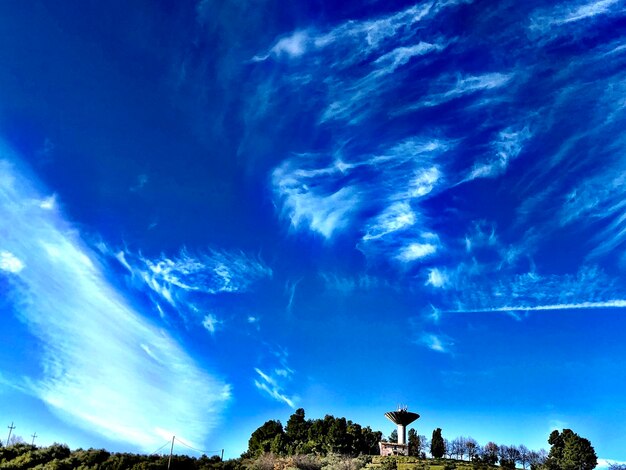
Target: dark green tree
(371, 440)
(355, 434)
(569, 451)
(490, 453)
(414, 443)
(437, 446)
(337, 440)
(393, 437)
(296, 431)
(262, 439)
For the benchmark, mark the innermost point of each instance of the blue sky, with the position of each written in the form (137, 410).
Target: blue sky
(212, 213)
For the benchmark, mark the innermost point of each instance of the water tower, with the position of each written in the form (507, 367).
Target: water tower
(402, 417)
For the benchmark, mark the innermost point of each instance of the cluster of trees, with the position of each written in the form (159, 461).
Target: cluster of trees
(332, 435)
(329, 435)
(22, 456)
(568, 451)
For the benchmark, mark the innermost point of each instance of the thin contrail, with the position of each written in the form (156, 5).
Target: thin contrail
(618, 303)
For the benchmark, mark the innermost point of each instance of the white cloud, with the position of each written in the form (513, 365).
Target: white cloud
(211, 323)
(310, 203)
(252, 319)
(398, 216)
(269, 384)
(327, 194)
(505, 148)
(570, 12)
(292, 46)
(399, 56)
(617, 303)
(368, 35)
(48, 203)
(174, 278)
(467, 85)
(104, 367)
(435, 342)
(437, 278)
(424, 181)
(290, 288)
(416, 251)
(10, 263)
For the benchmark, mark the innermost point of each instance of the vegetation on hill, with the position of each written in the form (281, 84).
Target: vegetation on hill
(59, 457)
(329, 435)
(323, 444)
(340, 436)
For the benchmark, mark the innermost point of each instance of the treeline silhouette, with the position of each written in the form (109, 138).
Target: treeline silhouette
(331, 435)
(321, 444)
(325, 436)
(60, 457)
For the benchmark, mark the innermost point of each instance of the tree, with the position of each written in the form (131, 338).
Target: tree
(356, 437)
(371, 440)
(337, 438)
(414, 443)
(458, 447)
(296, 431)
(471, 447)
(537, 458)
(507, 456)
(437, 447)
(569, 451)
(424, 445)
(524, 455)
(264, 437)
(447, 449)
(490, 453)
(393, 437)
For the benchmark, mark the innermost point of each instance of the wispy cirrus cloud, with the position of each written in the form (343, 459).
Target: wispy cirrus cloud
(437, 278)
(103, 366)
(618, 303)
(349, 284)
(273, 379)
(328, 195)
(505, 148)
(212, 272)
(318, 207)
(184, 280)
(572, 12)
(268, 383)
(381, 47)
(461, 86)
(482, 131)
(363, 36)
(211, 323)
(474, 290)
(425, 248)
(436, 342)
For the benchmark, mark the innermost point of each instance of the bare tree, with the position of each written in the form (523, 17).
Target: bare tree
(424, 445)
(15, 439)
(524, 455)
(471, 447)
(458, 447)
(537, 458)
(448, 452)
